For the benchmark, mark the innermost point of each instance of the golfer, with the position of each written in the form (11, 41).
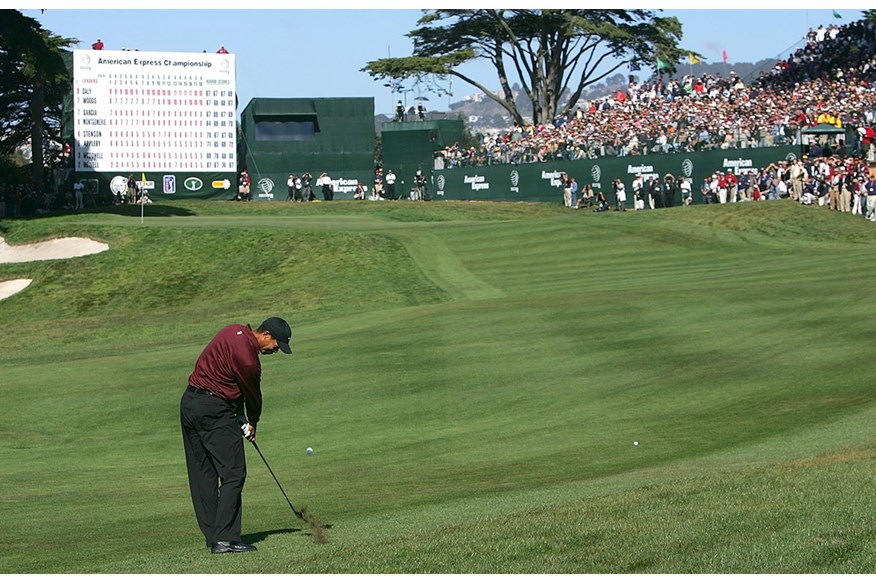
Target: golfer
(223, 394)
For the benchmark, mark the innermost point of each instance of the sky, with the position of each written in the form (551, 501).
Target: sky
(300, 52)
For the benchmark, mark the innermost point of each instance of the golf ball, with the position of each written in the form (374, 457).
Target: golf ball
(636, 443)
(310, 451)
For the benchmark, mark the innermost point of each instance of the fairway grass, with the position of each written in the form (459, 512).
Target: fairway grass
(472, 378)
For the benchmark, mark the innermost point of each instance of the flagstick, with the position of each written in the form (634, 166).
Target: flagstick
(142, 205)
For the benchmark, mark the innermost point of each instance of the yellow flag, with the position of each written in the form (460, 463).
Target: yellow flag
(693, 59)
(142, 190)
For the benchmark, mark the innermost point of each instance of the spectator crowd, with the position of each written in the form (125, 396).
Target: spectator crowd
(843, 184)
(828, 80)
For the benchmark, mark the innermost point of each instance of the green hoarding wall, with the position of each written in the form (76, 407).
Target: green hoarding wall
(283, 136)
(411, 146)
(540, 181)
(220, 186)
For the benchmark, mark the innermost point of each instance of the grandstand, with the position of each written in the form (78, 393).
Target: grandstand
(820, 98)
(698, 113)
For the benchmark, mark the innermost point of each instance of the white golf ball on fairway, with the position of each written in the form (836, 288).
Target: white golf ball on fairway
(636, 443)
(309, 451)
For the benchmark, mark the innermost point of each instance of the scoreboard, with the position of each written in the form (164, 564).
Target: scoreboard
(173, 115)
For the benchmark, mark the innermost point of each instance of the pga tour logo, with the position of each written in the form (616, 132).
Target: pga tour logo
(169, 184)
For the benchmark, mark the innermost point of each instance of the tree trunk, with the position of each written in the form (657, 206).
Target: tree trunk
(37, 108)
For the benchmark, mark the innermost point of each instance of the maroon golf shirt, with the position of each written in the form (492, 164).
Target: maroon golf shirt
(229, 367)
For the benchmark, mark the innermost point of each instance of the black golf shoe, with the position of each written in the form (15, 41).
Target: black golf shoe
(232, 547)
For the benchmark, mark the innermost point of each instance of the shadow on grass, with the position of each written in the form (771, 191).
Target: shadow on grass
(263, 535)
(153, 210)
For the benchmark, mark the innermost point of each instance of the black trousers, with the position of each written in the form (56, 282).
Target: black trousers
(216, 464)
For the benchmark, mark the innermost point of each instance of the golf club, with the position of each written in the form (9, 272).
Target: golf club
(296, 512)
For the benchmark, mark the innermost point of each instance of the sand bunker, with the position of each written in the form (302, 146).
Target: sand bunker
(10, 287)
(53, 249)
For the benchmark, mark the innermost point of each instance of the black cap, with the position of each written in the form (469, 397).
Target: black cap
(280, 330)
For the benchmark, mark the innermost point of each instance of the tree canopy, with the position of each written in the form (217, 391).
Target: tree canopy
(553, 54)
(33, 82)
